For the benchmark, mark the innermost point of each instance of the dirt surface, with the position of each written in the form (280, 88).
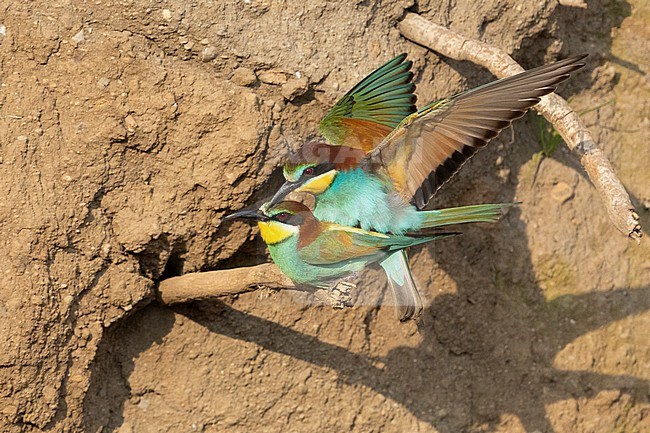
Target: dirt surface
(129, 129)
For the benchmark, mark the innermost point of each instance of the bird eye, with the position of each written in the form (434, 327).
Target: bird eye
(308, 171)
(282, 216)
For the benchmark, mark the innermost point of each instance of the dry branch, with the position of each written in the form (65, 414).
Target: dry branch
(225, 282)
(552, 107)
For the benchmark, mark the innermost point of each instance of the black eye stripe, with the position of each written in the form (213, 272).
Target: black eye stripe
(288, 218)
(317, 170)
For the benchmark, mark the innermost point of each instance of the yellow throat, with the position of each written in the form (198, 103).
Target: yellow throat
(273, 231)
(319, 184)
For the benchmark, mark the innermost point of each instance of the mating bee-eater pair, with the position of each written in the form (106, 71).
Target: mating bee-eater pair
(381, 164)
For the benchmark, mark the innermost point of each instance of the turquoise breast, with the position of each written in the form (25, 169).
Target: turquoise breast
(359, 199)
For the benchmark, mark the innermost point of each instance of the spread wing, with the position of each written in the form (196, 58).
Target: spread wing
(373, 108)
(429, 146)
(338, 243)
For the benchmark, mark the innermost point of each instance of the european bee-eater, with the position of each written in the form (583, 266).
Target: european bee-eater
(320, 253)
(384, 187)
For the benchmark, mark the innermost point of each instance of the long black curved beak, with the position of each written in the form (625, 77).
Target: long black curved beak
(248, 214)
(284, 190)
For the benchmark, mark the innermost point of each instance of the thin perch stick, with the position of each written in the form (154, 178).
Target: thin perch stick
(225, 282)
(552, 107)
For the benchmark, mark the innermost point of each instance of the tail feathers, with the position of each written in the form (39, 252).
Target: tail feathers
(487, 213)
(402, 285)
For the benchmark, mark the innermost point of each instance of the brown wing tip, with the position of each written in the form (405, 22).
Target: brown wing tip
(440, 176)
(574, 62)
(578, 57)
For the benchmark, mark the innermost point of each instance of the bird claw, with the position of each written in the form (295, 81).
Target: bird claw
(338, 294)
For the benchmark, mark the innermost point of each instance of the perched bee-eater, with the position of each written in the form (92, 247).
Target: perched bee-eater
(384, 160)
(383, 182)
(321, 254)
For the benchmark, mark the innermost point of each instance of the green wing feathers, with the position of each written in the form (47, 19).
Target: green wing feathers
(373, 108)
(339, 243)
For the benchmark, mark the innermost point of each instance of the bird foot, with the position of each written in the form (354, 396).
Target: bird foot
(337, 295)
